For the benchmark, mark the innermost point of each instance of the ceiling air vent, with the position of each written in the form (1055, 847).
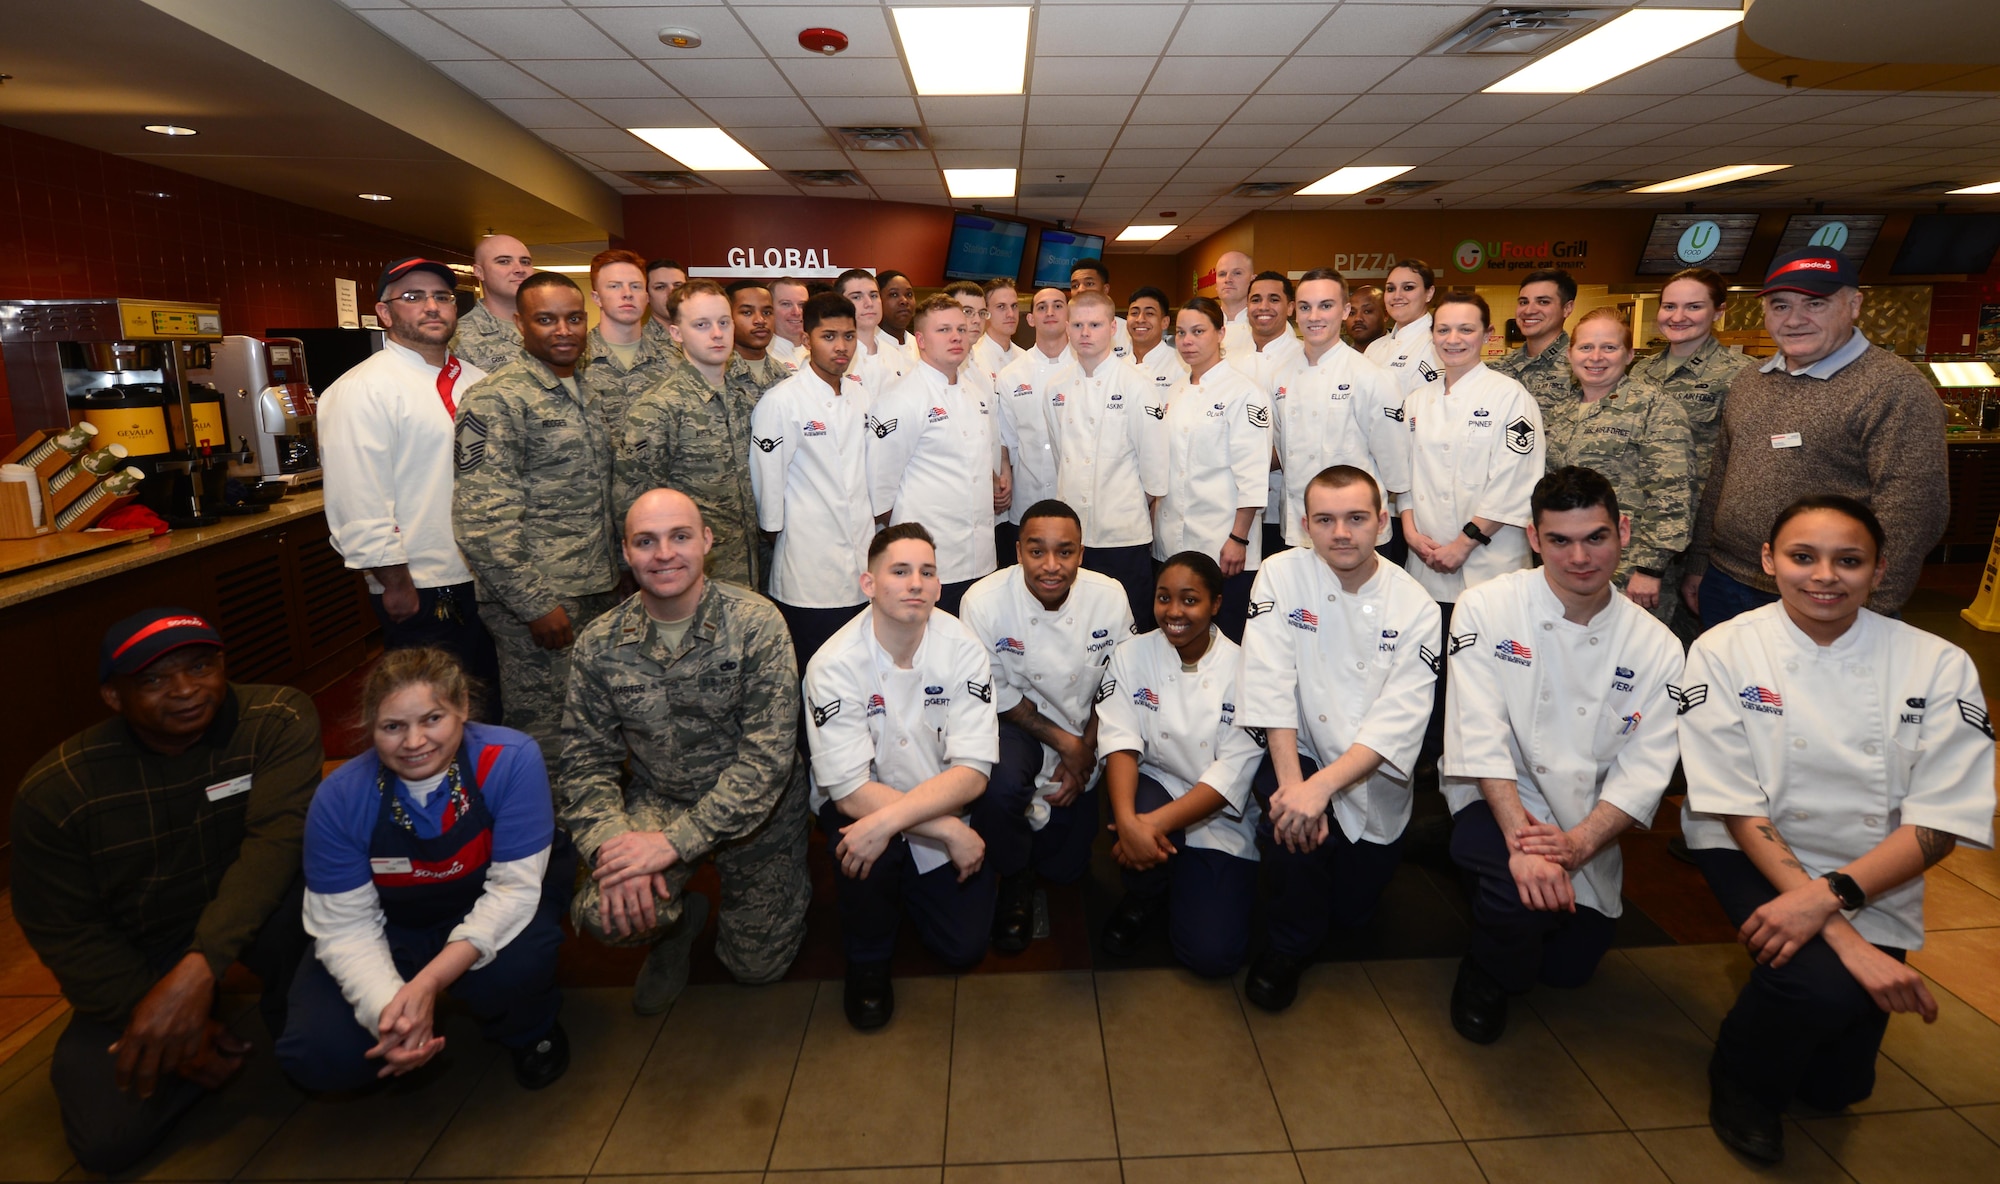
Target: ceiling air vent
(1923, 187)
(1265, 188)
(667, 179)
(1603, 187)
(1403, 188)
(1516, 30)
(824, 178)
(881, 139)
(1746, 186)
(1056, 189)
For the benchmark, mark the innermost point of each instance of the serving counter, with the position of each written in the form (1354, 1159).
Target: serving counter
(286, 605)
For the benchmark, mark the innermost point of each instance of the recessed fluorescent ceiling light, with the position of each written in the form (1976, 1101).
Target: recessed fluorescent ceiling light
(567, 268)
(1630, 41)
(1964, 374)
(1721, 176)
(979, 182)
(170, 129)
(965, 51)
(703, 149)
(1989, 187)
(1353, 179)
(1145, 234)
(373, 196)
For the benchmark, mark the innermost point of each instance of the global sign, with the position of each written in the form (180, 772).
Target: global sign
(1698, 242)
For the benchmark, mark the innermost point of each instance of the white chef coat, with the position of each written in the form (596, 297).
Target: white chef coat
(1572, 714)
(933, 450)
(1218, 461)
(809, 472)
(1343, 669)
(794, 357)
(875, 372)
(1837, 745)
(1475, 452)
(1408, 355)
(385, 442)
(1055, 658)
(871, 721)
(1183, 727)
(1121, 340)
(1344, 410)
(1236, 333)
(1163, 366)
(1111, 450)
(1022, 395)
(1261, 367)
(988, 356)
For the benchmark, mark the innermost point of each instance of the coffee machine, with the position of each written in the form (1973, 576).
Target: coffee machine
(269, 406)
(126, 367)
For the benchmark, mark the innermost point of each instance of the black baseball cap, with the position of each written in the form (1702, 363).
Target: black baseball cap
(1816, 271)
(403, 267)
(144, 637)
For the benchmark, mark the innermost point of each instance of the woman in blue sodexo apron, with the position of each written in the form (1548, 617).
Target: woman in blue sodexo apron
(432, 865)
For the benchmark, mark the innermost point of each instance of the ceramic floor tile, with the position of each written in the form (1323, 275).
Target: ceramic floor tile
(17, 1010)
(1185, 1077)
(322, 1140)
(1921, 1147)
(1981, 869)
(1703, 981)
(1101, 1171)
(858, 1175)
(710, 1095)
(1693, 1155)
(1953, 903)
(1426, 1163)
(504, 1130)
(1957, 1058)
(685, 1178)
(1480, 1085)
(1027, 1071)
(1986, 1118)
(1964, 961)
(903, 1072)
(1273, 1168)
(1341, 1070)
(31, 1042)
(1640, 1051)
(1573, 1159)
(33, 1146)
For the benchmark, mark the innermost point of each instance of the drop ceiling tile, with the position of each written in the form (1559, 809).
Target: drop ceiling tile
(421, 35)
(700, 78)
(1165, 109)
(1088, 76)
(1673, 76)
(1406, 29)
(1535, 133)
(1146, 157)
(1062, 158)
(977, 158)
(625, 161)
(846, 77)
(1577, 154)
(591, 140)
(1447, 76)
(910, 192)
(1071, 135)
(1154, 174)
(1104, 30)
(649, 112)
(1290, 108)
(638, 30)
(1006, 137)
(758, 113)
(1164, 135)
(1884, 135)
(1200, 172)
(837, 112)
(825, 158)
(1244, 30)
(518, 33)
(1327, 76)
(541, 113)
(1239, 158)
(1483, 108)
(1211, 75)
(1121, 190)
(972, 111)
(1260, 135)
(1693, 109)
(1059, 109)
(619, 78)
(1388, 108)
(778, 28)
(1486, 154)
(495, 80)
(1592, 108)
(1343, 134)
(1445, 135)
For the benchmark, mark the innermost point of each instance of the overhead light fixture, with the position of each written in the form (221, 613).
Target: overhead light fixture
(566, 268)
(171, 129)
(1353, 179)
(1974, 190)
(1721, 176)
(1144, 234)
(965, 51)
(1961, 374)
(979, 182)
(374, 197)
(676, 37)
(706, 149)
(1640, 36)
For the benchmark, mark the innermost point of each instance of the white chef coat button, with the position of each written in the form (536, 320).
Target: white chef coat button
(1800, 815)
(1368, 609)
(1322, 719)
(1204, 684)
(1542, 769)
(1361, 665)
(1204, 744)
(1593, 641)
(1447, 448)
(1861, 672)
(1034, 624)
(1329, 598)
(1798, 742)
(1870, 749)
(1545, 696)
(1038, 678)
(1792, 666)
(903, 743)
(1581, 711)
(1546, 626)
(1871, 822)
(1166, 735)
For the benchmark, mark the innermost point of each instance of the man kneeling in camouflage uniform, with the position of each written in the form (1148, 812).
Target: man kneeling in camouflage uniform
(694, 679)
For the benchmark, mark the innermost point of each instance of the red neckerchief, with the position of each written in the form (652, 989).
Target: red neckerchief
(447, 379)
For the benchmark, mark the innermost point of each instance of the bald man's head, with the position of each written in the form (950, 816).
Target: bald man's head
(1232, 280)
(665, 546)
(656, 502)
(500, 262)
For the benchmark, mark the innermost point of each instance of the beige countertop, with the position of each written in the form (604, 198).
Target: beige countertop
(54, 577)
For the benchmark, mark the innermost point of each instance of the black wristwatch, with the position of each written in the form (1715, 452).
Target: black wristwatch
(1654, 572)
(1239, 540)
(1477, 535)
(1850, 893)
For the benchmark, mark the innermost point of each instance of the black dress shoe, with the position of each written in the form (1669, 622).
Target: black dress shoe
(1744, 1124)
(1014, 916)
(1478, 1004)
(870, 999)
(1274, 980)
(1127, 925)
(543, 1061)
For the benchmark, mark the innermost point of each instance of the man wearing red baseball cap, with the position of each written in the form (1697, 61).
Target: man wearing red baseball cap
(151, 851)
(1828, 413)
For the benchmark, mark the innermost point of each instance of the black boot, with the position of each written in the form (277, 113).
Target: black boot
(1745, 1124)
(870, 999)
(1478, 1004)
(1273, 981)
(1014, 915)
(542, 1062)
(1127, 926)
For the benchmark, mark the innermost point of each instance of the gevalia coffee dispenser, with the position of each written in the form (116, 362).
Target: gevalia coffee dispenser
(269, 407)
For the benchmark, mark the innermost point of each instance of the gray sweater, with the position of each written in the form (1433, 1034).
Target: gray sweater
(1874, 431)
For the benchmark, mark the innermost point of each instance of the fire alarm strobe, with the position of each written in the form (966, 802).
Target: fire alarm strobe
(826, 41)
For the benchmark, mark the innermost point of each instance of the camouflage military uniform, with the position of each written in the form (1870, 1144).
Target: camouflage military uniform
(1546, 374)
(531, 506)
(485, 340)
(1700, 383)
(767, 371)
(1638, 438)
(711, 730)
(684, 434)
(616, 387)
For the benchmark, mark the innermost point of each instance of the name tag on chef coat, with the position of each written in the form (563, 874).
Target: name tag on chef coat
(392, 866)
(1786, 440)
(229, 788)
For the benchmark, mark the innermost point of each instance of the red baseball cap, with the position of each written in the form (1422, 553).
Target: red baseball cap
(1816, 271)
(143, 638)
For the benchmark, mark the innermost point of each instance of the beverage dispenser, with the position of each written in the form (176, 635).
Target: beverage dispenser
(269, 407)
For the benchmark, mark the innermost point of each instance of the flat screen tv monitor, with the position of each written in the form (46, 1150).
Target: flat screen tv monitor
(1714, 241)
(1058, 253)
(1853, 235)
(1944, 244)
(985, 248)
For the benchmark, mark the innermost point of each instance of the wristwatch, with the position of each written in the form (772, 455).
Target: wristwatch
(1850, 893)
(1654, 572)
(1477, 535)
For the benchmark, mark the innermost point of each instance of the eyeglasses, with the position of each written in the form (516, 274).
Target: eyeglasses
(415, 298)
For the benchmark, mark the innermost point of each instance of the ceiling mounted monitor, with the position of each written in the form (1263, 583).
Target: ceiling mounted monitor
(1714, 241)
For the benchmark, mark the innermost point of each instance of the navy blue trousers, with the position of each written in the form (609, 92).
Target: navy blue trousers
(1060, 851)
(1209, 895)
(1132, 567)
(448, 618)
(1338, 880)
(1517, 945)
(953, 920)
(1805, 1030)
(1723, 597)
(811, 628)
